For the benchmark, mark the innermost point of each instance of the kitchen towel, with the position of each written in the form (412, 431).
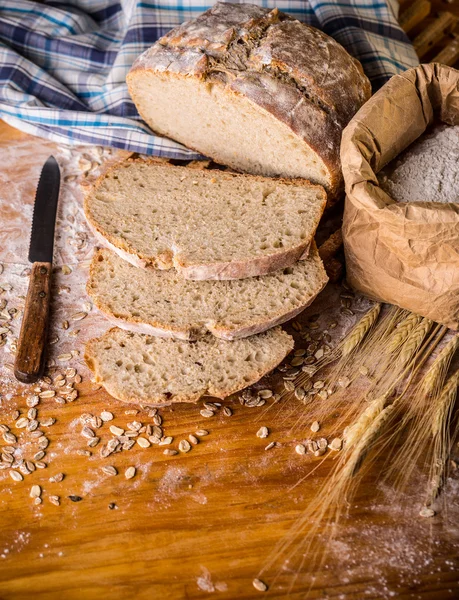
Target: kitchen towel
(63, 64)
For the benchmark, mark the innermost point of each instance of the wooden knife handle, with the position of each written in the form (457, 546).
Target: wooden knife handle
(30, 354)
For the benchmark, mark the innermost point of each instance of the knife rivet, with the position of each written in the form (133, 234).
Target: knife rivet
(43, 270)
(42, 294)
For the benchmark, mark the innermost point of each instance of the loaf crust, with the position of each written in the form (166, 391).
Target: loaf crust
(296, 73)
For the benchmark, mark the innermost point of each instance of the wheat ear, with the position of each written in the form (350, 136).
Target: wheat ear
(355, 431)
(444, 405)
(413, 342)
(360, 330)
(403, 331)
(435, 375)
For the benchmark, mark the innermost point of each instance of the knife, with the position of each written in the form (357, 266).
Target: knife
(29, 363)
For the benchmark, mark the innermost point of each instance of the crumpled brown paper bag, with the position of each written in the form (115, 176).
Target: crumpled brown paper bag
(402, 253)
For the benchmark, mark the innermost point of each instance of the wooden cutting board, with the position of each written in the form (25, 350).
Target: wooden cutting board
(196, 524)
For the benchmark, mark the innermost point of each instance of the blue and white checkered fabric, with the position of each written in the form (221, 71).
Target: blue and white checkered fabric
(63, 64)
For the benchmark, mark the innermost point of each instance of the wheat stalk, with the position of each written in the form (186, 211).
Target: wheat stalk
(360, 330)
(435, 375)
(403, 331)
(355, 431)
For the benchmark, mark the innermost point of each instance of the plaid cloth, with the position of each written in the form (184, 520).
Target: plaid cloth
(63, 64)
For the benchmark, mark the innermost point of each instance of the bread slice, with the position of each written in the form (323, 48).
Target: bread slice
(163, 303)
(206, 224)
(253, 89)
(139, 368)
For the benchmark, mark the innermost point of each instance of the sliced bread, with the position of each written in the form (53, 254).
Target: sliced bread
(138, 368)
(254, 89)
(206, 224)
(163, 303)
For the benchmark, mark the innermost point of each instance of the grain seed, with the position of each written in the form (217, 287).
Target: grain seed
(79, 316)
(259, 585)
(143, 442)
(22, 422)
(206, 413)
(184, 446)
(47, 394)
(9, 437)
(32, 401)
(57, 478)
(201, 432)
(39, 455)
(263, 432)
(92, 443)
(318, 385)
(193, 439)
(426, 512)
(335, 444)
(87, 432)
(300, 449)
(47, 422)
(169, 452)
(35, 491)
(32, 413)
(41, 465)
(289, 385)
(110, 470)
(166, 441)
(64, 357)
(271, 445)
(227, 411)
(315, 427)
(130, 472)
(116, 430)
(265, 394)
(16, 476)
(54, 500)
(37, 500)
(105, 415)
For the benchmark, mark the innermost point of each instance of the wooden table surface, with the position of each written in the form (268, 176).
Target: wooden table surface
(202, 523)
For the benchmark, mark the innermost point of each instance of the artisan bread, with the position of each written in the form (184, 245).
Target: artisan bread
(163, 303)
(206, 224)
(139, 368)
(253, 89)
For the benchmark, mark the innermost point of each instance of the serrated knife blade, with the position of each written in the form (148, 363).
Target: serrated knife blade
(29, 362)
(44, 213)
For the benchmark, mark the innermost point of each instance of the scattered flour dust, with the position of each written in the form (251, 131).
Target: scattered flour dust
(428, 171)
(206, 584)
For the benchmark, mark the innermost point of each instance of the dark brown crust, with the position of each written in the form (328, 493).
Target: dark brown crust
(299, 75)
(235, 270)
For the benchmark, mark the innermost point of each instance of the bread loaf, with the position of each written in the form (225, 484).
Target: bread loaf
(253, 89)
(144, 369)
(163, 303)
(206, 224)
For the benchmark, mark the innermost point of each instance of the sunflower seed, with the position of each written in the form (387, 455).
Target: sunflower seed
(130, 472)
(15, 476)
(105, 415)
(184, 446)
(201, 432)
(426, 512)
(79, 316)
(87, 432)
(116, 430)
(35, 491)
(259, 585)
(109, 470)
(263, 432)
(166, 441)
(143, 442)
(75, 498)
(335, 444)
(206, 413)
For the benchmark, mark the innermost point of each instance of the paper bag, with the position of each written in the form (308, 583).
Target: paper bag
(406, 254)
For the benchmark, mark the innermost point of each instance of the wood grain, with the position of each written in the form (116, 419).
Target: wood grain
(206, 520)
(30, 357)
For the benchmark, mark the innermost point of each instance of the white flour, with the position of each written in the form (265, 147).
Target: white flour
(428, 171)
